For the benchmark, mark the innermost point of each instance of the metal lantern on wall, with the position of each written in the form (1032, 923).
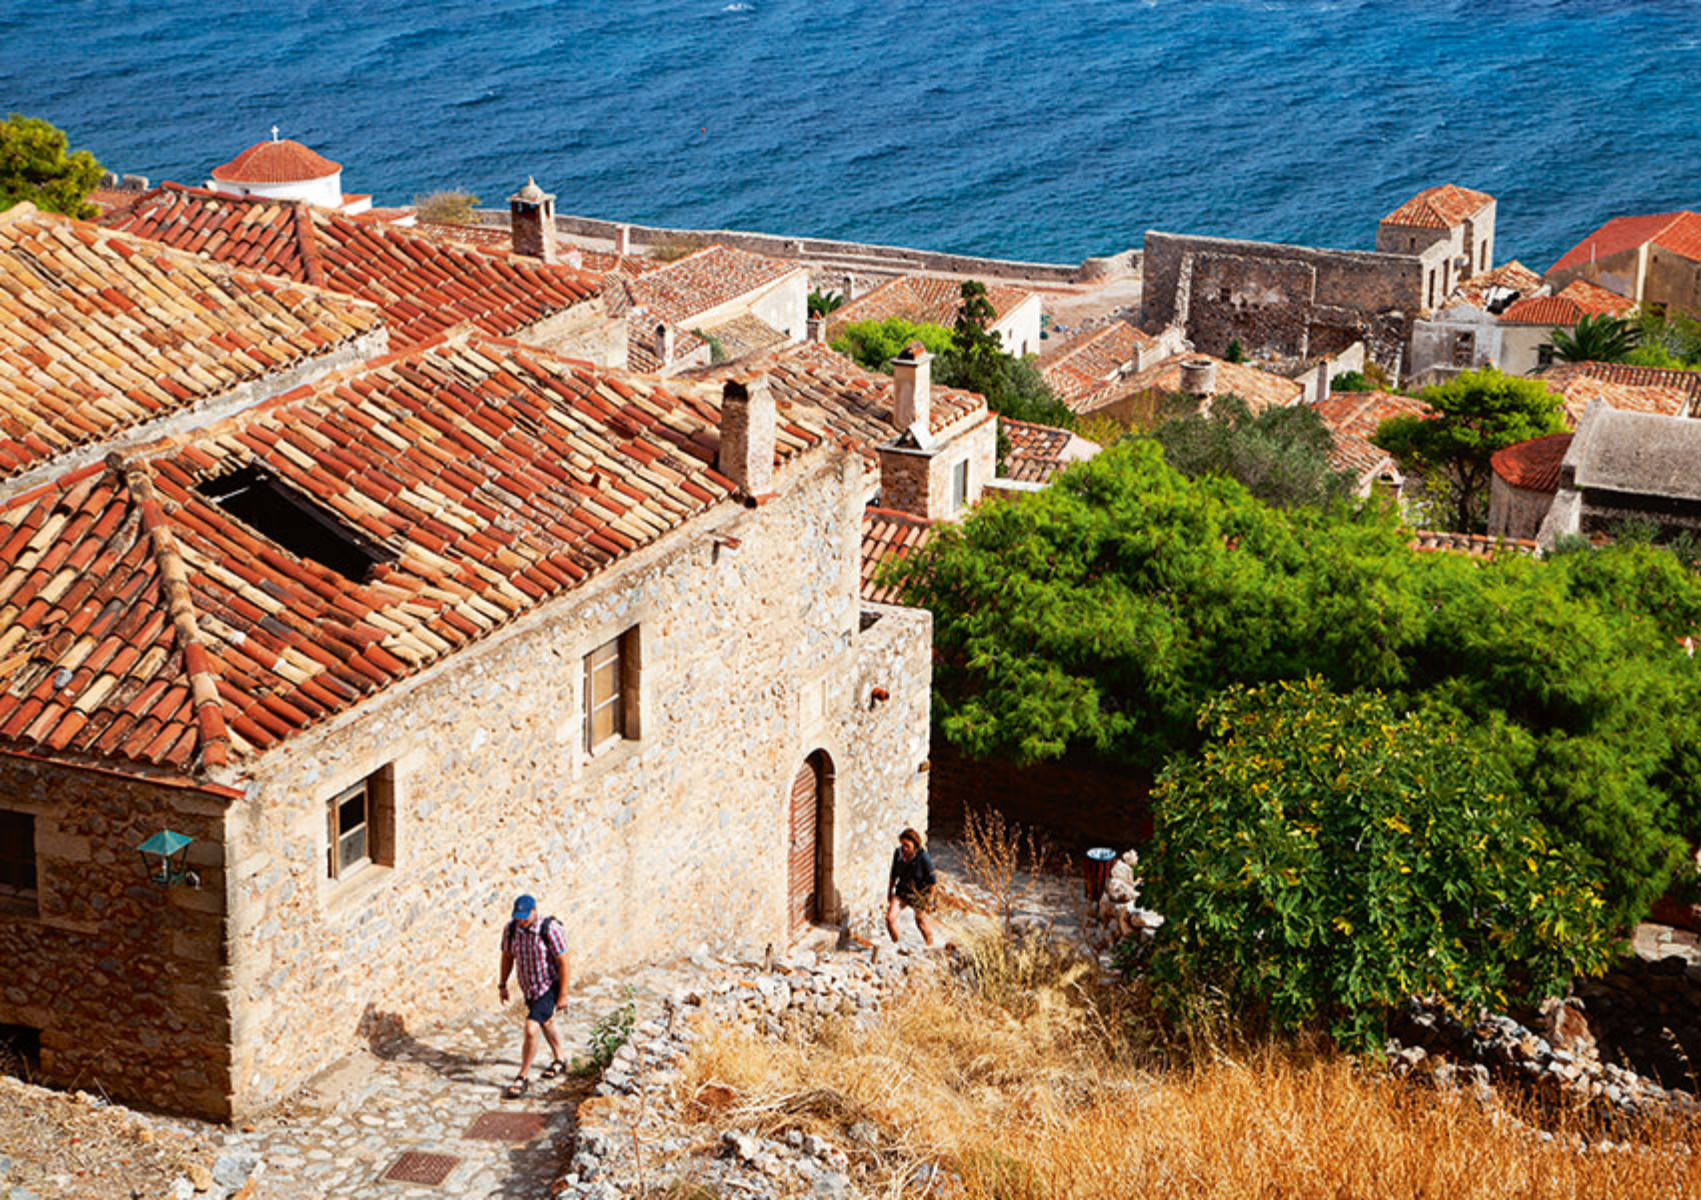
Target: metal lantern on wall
(165, 857)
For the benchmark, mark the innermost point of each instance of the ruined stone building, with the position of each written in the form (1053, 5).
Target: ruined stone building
(1655, 260)
(1289, 304)
(392, 637)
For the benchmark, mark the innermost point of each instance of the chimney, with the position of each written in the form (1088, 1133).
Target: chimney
(662, 342)
(531, 221)
(623, 239)
(912, 386)
(818, 330)
(747, 434)
(1199, 377)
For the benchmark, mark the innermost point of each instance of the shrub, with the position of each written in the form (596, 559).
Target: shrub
(874, 344)
(454, 207)
(1350, 381)
(1327, 857)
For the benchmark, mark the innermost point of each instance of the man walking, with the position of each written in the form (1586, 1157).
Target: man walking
(539, 948)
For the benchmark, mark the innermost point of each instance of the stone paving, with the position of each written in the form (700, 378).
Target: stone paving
(422, 1090)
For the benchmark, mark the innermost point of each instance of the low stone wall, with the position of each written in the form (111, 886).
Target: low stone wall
(872, 256)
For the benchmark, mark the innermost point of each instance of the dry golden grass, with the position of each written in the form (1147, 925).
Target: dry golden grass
(1026, 1080)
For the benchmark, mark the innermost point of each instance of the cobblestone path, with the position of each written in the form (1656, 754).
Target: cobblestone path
(422, 1092)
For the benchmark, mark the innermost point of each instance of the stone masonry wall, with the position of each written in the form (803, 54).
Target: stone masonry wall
(124, 979)
(752, 657)
(1285, 301)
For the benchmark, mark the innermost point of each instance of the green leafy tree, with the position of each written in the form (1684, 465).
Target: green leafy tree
(874, 344)
(1597, 337)
(1350, 381)
(1236, 352)
(977, 362)
(1471, 416)
(1666, 339)
(1100, 615)
(35, 167)
(1280, 455)
(1327, 856)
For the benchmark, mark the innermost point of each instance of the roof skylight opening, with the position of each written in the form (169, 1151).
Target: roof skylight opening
(257, 498)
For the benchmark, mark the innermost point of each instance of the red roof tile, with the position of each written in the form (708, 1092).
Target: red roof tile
(1088, 362)
(924, 299)
(1475, 545)
(826, 388)
(1480, 289)
(102, 332)
(680, 292)
(276, 162)
(1038, 452)
(1439, 207)
(422, 286)
(1353, 418)
(493, 475)
(887, 536)
(1578, 299)
(1260, 389)
(1661, 390)
(1679, 232)
(1533, 465)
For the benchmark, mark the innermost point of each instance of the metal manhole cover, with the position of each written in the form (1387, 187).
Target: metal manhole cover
(507, 1126)
(416, 1166)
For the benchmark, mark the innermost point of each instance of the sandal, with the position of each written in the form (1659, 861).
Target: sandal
(518, 1088)
(555, 1070)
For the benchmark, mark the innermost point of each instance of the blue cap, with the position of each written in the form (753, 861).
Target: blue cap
(524, 907)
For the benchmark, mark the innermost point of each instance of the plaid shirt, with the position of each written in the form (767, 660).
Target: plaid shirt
(534, 963)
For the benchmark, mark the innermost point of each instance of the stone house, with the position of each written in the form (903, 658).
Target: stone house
(422, 286)
(1465, 332)
(1526, 327)
(1655, 260)
(1089, 363)
(394, 644)
(746, 303)
(1627, 466)
(1450, 228)
(934, 300)
(1526, 476)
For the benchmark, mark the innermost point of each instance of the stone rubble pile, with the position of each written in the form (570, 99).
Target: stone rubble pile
(1498, 1049)
(638, 1114)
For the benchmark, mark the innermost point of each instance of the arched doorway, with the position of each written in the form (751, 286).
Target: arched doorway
(809, 861)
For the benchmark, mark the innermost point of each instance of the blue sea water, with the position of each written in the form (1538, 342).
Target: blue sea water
(1036, 130)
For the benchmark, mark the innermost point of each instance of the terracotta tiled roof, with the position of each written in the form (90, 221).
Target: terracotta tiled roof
(1679, 232)
(1088, 362)
(683, 290)
(493, 239)
(1439, 207)
(1479, 288)
(1660, 390)
(142, 624)
(1260, 389)
(1353, 417)
(110, 200)
(886, 536)
(924, 299)
(1579, 298)
(1474, 544)
(276, 162)
(1037, 452)
(423, 287)
(825, 388)
(101, 332)
(1533, 465)
(744, 334)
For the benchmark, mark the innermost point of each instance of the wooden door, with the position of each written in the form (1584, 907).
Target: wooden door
(805, 802)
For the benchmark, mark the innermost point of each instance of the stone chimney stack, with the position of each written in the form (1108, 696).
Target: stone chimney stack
(747, 434)
(912, 386)
(1199, 377)
(818, 330)
(662, 342)
(531, 221)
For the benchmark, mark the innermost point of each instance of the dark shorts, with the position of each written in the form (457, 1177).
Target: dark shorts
(541, 1009)
(921, 901)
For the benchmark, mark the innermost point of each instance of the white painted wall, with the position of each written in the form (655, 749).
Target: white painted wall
(327, 192)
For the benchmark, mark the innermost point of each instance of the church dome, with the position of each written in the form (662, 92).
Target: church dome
(276, 162)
